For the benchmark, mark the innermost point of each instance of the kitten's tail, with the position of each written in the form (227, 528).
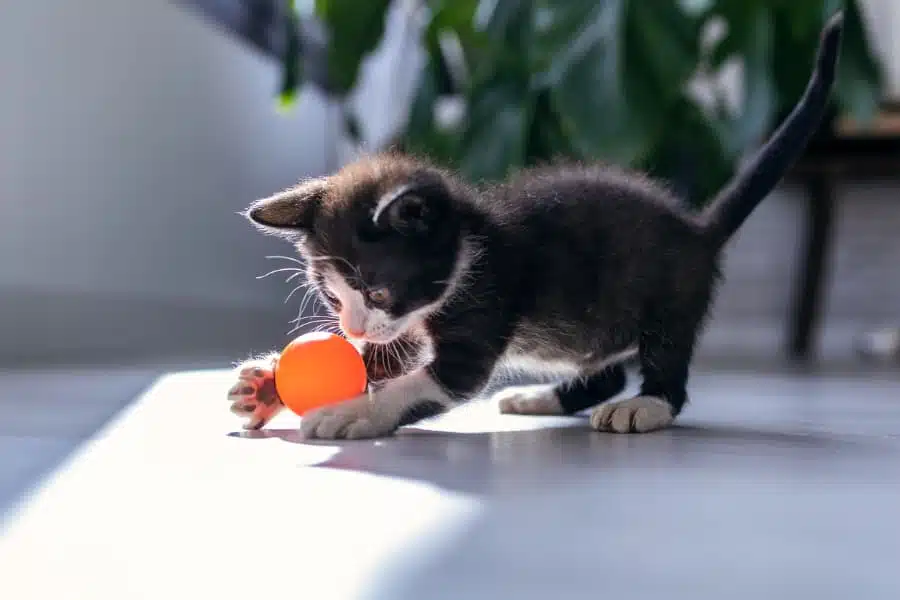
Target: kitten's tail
(734, 203)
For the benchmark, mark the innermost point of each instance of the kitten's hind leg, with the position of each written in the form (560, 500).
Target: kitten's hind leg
(563, 399)
(665, 360)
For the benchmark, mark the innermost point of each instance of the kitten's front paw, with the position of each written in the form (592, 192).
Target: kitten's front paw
(254, 394)
(353, 419)
(635, 415)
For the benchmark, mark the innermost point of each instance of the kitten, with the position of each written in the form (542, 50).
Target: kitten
(570, 269)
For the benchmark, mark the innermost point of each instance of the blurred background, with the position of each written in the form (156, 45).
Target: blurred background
(131, 133)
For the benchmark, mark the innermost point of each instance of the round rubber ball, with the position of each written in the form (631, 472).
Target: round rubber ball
(318, 369)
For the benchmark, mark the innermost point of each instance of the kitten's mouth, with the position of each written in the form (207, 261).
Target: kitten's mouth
(361, 336)
(378, 340)
(379, 334)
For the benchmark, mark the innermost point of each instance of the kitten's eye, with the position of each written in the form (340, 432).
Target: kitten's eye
(331, 298)
(379, 296)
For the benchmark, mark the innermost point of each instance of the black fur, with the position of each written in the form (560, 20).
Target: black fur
(581, 393)
(421, 410)
(573, 264)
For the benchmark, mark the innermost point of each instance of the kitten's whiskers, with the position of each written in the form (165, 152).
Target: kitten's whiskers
(290, 258)
(282, 270)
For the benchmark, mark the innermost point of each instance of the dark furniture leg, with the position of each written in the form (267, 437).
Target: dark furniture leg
(808, 294)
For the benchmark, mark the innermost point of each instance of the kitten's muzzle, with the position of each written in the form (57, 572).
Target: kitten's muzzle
(357, 334)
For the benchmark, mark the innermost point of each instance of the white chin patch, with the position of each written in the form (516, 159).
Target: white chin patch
(381, 338)
(381, 328)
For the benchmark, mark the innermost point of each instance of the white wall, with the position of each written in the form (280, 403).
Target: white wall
(130, 133)
(882, 17)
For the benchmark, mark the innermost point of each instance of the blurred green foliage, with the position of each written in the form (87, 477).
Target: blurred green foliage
(602, 79)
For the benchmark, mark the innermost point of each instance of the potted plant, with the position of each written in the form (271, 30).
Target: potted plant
(611, 80)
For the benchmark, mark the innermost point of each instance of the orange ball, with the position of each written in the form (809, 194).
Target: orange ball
(318, 369)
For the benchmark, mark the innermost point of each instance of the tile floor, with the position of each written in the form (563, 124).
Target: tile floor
(46, 414)
(772, 486)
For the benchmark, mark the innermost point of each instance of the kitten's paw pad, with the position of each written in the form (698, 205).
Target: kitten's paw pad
(352, 420)
(635, 415)
(253, 396)
(529, 400)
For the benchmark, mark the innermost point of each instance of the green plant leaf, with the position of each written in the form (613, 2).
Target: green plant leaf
(662, 41)
(736, 17)
(613, 68)
(547, 139)
(760, 102)
(494, 140)
(291, 74)
(355, 27)
(860, 75)
(554, 26)
(454, 19)
(508, 22)
(859, 78)
(421, 114)
(451, 15)
(661, 54)
(753, 41)
(421, 134)
(691, 157)
(497, 44)
(587, 80)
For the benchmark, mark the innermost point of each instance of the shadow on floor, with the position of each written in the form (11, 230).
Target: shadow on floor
(478, 462)
(702, 510)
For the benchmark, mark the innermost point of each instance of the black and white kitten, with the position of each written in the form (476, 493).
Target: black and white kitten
(570, 269)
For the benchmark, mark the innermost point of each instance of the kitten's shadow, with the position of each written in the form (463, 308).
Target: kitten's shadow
(475, 462)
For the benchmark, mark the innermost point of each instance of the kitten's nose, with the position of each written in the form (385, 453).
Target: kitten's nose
(355, 333)
(351, 332)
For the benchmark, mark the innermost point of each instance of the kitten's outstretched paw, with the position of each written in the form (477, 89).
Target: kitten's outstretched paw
(358, 418)
(635, 415)
(529, 400)
(254, 394)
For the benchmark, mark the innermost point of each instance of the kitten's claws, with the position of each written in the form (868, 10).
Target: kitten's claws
(253, 396)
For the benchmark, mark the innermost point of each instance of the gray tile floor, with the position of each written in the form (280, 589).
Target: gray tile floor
(46, 414)
(771, 486)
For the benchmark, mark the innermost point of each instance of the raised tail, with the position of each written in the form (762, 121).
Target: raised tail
(734, 203)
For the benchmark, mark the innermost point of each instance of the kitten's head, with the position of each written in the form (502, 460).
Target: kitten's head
(384, 241)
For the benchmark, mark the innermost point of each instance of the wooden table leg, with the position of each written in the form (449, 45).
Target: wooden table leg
(807, 303)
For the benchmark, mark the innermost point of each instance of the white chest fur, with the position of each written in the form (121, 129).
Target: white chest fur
(529, 364)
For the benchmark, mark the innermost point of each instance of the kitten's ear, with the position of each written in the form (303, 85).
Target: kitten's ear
(291, 210)
(407, 212)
